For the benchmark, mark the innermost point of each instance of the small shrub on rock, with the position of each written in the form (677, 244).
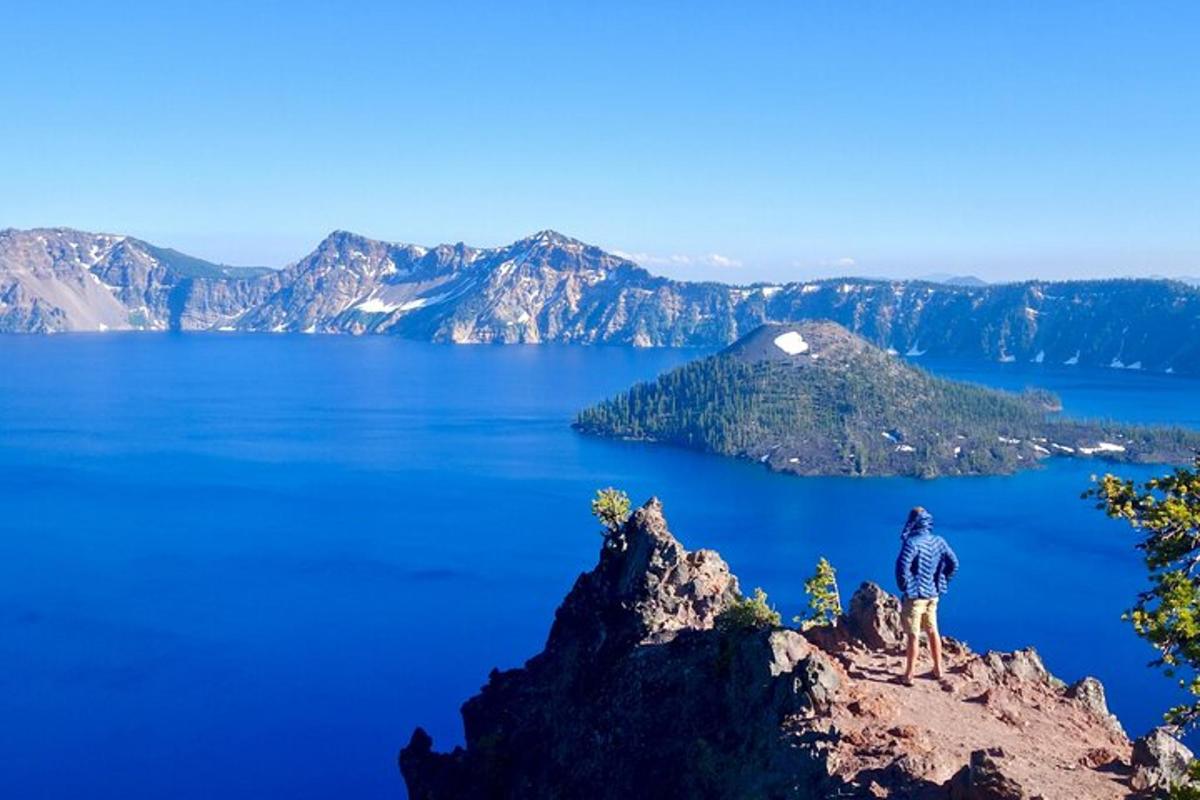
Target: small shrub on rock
(748, 613)
(824, 599)
(611, 507)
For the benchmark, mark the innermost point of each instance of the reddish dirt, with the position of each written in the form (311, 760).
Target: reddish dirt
(914, 739)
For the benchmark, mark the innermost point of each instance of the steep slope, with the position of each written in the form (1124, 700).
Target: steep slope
(815, 399)
(546, 287)
(639, 694)
(549, 287)
(58, 279)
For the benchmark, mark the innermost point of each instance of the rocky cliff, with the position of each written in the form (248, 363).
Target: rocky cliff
(550, 287)
(58, 279)
(638, 694)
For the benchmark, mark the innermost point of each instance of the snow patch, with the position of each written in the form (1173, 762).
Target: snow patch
(1103, 447)
(905, 448)
(1073, 360)
(1040, 357)
(915, 350)
(1005, 358)
(376, 306)
(791, 343)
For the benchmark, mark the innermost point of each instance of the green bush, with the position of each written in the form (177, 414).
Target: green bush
(748, 613)
(611, 507)
(824, 600)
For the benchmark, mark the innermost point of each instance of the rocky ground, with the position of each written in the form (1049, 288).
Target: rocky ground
(639, 694)
(1002, 713)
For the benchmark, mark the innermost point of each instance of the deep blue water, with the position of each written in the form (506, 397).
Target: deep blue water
(247, 567)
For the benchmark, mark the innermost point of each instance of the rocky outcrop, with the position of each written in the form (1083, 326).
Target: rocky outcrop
(550, 287)
(874, 618)
(1160, 762)
(639, 694)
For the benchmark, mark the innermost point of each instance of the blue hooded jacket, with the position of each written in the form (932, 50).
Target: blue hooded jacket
(926, 563)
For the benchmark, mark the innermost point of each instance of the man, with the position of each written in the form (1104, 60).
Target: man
(923, 571)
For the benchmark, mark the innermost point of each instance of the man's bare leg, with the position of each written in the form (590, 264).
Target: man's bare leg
(935, 648)
(914, 643)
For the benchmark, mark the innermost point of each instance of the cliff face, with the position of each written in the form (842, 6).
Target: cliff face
(58, 279)
(637, 695)
(550, 287)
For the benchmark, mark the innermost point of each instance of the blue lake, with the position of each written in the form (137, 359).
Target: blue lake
(247, 567)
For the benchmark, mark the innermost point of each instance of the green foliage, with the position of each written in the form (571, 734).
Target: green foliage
(748, 613)
(611, 507)
(824, 599)
(1166, 514)
(1189, 790)
(870, 414)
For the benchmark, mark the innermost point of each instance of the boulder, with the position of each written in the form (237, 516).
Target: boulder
(983, 778)
(1022, 666)
(874, 618)
(1160, 761)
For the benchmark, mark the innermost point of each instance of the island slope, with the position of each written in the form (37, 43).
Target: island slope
(815, 399)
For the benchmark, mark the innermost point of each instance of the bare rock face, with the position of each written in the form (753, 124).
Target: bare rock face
(1160, 761)
(637, 695)
(1089, 693)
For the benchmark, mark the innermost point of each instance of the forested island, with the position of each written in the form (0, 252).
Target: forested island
(815, 399)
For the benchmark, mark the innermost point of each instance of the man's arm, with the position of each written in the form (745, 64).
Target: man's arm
(949, 561)
(904, 565)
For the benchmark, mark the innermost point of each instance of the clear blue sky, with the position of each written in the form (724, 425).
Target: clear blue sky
(737, 141)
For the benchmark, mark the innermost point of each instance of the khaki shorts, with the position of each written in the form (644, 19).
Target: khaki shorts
(920, 614)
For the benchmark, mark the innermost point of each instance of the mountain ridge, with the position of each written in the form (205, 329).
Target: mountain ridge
(552, 287)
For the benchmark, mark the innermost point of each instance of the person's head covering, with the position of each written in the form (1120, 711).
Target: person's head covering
(919, 521)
